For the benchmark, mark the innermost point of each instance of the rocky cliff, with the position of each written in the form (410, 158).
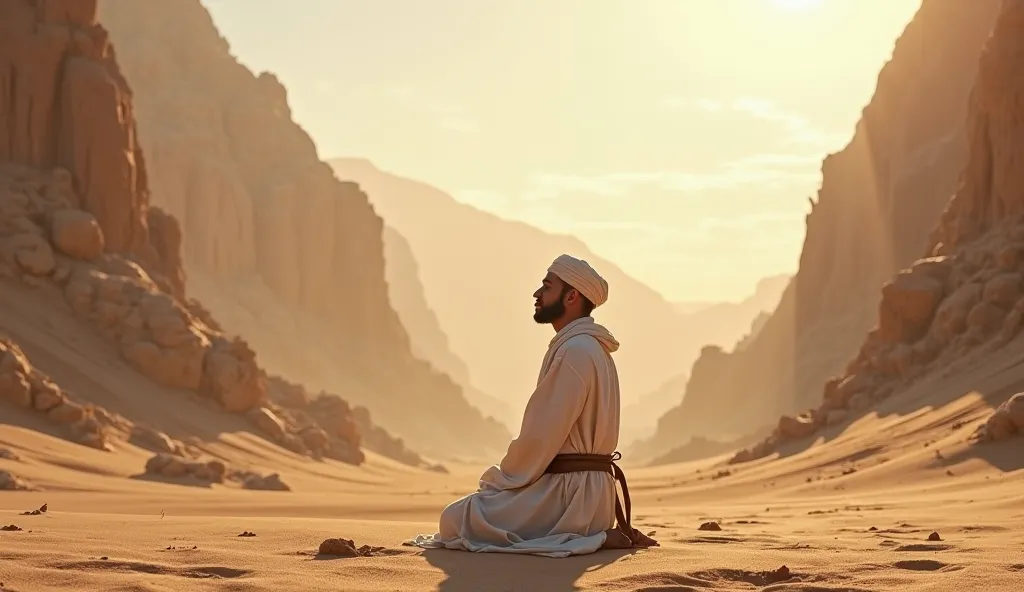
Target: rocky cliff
(965, 298)
(64, 103)
(274, 244)
(879, 198)
(76, 225)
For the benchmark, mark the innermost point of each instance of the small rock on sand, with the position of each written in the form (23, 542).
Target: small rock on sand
(934, 537)
(271, 482)
(779, 575)
(11, 528)
(40, 510)
(346, 548)
(710, 526)
(11, 482)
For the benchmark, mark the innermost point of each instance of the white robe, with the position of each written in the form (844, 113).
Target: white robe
(520, 509)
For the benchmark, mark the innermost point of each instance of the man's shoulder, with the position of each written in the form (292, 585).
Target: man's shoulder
(583, 345)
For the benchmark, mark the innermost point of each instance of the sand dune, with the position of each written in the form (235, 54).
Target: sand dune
(854, 511)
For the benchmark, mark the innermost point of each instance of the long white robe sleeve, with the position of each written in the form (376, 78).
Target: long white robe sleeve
(550, 414)
(519, 508)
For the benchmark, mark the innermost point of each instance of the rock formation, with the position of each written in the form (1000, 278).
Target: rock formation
(1005, 422)
(64, 104)
(44, 238)
(25, 387)
(965, 298)
(75, 221)
(879, 199)
(75, 201)
(279, 249)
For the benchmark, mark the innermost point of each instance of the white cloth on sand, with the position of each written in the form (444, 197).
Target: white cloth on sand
(580, 275)
(520, 509)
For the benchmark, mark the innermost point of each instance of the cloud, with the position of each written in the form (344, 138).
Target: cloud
(752, 170)
(799, 130)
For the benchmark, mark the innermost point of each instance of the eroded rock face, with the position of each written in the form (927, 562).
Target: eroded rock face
(880, 198)
(85, 124)
(223, 146)
(966, 296)
(75, 217)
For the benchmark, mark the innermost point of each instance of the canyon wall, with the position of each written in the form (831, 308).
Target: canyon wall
(64, 103)
(879, 198)
(964, 300)
(283, 252)
(77, 227)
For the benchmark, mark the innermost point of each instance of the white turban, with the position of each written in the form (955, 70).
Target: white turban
(580, 275)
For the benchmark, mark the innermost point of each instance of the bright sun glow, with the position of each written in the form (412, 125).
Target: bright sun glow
(796, 4)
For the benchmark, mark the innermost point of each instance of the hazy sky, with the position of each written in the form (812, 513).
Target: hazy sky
(678, 138)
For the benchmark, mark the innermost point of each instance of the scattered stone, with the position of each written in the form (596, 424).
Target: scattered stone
(346, 548)
(11, 528)
(177, 467)
(77, 234)
(271, 482)
(714, 526)
(792, 428)
(11, 482)
(779, 575)
(1005, 422)
(28, 388)
(155, 440)
(271, 425)
(7, 454)
(40, 510)
(934, 537)
(247, 533)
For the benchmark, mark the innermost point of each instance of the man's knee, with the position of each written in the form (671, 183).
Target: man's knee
(450, 523)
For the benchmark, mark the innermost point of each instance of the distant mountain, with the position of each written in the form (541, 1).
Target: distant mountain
(692, 307)
(640, 418)
(743, 319)
(427, 339)
(479, 272)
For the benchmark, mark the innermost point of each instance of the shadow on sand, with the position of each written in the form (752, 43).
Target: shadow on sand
(473, 572)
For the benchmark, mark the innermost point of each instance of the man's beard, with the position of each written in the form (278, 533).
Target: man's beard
(550, 313)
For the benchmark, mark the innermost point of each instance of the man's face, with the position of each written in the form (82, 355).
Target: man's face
(548, 305)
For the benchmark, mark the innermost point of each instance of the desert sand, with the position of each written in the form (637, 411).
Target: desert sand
(853, 510)
(145, 448)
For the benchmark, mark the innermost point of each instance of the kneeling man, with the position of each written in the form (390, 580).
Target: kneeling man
(554, 492)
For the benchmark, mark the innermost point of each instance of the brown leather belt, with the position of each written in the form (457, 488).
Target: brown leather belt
(604, 463)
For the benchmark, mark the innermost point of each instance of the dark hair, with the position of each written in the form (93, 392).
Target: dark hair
(586, 307)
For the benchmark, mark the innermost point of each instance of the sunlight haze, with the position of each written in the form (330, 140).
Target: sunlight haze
(680, 139)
